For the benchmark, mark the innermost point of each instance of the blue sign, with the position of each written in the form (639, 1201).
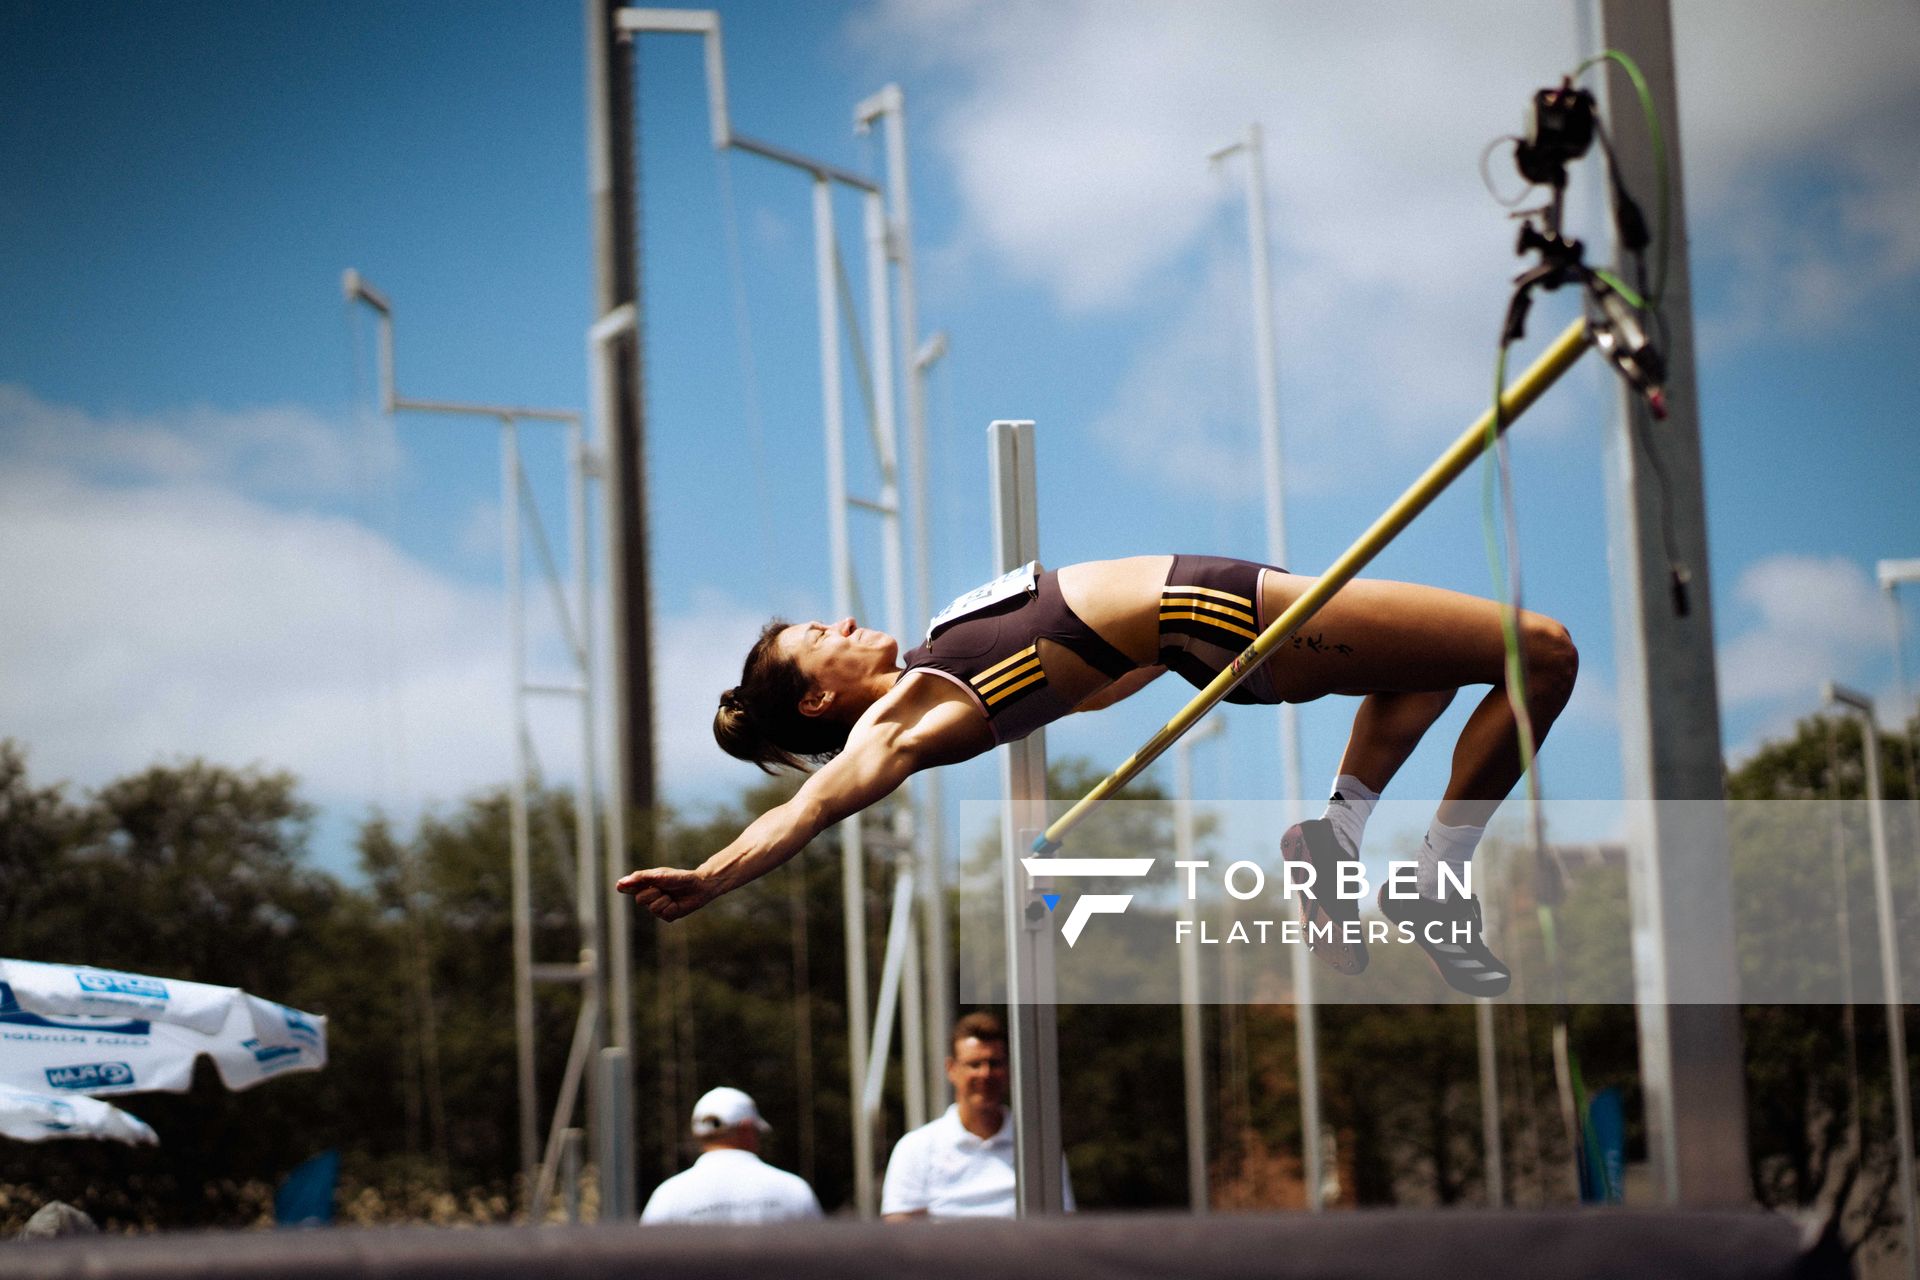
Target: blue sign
(122, 984)
(266, 1054)
(82, 1076)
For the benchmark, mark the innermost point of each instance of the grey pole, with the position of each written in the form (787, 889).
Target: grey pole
(1894, 1001)
(517, 801)
(1892, 573)
(913, 1029)
(706, 24)
(1193, 1068)
(1685, 973)
(1033, 1039)
(853, 864)
(613, 180)
(1490, 1104)
(1272, 470)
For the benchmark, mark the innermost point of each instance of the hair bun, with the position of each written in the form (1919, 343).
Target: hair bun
(730, 701)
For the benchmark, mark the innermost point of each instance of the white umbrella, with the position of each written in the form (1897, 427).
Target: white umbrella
(39, 1117)
(72, 1030)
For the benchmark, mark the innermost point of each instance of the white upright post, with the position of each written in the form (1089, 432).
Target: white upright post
(1033, 1040)
(1272, 470)
(1893, 1000)
(1680, 883)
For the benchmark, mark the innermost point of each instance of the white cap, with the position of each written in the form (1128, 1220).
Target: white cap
(723, 1108)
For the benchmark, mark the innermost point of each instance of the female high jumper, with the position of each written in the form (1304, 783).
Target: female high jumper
(1034, 645)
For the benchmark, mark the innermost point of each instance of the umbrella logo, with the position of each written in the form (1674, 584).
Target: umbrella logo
(82, 1076)
(107, 982)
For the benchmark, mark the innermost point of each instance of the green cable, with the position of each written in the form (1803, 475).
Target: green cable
(1659, 161)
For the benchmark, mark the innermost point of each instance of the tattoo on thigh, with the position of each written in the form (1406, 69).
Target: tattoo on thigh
(1318, 643)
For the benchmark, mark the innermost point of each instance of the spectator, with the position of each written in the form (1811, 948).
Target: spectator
(729, 1182)
(55, 1219)
(961, 1165)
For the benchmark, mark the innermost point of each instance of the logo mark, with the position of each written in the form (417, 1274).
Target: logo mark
(122, 984)
(1092, 904)
(83, 1076)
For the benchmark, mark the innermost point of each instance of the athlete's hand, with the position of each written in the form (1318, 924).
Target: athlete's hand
(669, 892)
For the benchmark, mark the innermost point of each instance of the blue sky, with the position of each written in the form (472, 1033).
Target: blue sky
(214, 545)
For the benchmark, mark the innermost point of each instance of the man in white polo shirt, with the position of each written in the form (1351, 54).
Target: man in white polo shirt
(961, 1165)
(729, 1182)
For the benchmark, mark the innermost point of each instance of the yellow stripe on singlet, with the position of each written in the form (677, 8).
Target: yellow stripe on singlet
(1173, 615)
(1171, 601)
(1007, 677)
(1015, 688)
(1207, 591)
(1003, 664)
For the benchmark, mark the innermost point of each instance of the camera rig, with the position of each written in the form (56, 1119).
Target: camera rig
(1561, 127)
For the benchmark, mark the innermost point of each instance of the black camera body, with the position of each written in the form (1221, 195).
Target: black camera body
(1560, 126)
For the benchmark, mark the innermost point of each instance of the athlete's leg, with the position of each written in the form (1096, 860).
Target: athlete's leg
(1376, 637)
(1386, 729)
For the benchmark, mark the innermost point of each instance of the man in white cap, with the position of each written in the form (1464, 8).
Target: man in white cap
(729, 1182)
(961, 1165)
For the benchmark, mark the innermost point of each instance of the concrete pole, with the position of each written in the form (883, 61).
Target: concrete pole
(1680, 884)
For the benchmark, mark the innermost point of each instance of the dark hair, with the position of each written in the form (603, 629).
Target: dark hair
(982, 1026)
(759, 719)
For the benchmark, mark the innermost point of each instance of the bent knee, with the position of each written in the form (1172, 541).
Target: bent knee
(1553, 662)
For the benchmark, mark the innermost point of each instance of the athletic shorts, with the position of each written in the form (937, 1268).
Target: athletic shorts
(1211, 611)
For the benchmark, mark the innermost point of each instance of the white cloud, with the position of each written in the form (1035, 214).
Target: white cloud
(273, 449)
(177, 616)
(166, 620)
(1817, 619)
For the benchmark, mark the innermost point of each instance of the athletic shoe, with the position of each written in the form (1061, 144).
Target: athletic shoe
(1466, 966)
(1315, 843)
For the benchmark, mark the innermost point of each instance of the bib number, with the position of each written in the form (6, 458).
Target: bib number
(1021, 581)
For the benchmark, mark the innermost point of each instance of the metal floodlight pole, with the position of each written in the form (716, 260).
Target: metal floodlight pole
(1680, 881)
(706, 24)
(1306, 1040)
(1892, 574)
(575, 621)
(1894, 1001)
(913, 1035)
(1192, 1062)
(889, 106)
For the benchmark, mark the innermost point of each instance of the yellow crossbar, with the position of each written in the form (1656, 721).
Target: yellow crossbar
(1514, 401)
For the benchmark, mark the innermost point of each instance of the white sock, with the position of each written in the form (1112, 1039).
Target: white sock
(1451, 845)
(1348, 809)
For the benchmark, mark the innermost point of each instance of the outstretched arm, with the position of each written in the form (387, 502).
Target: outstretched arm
(875, 762)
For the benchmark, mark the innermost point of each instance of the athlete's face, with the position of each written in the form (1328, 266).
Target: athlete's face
(836, 656)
